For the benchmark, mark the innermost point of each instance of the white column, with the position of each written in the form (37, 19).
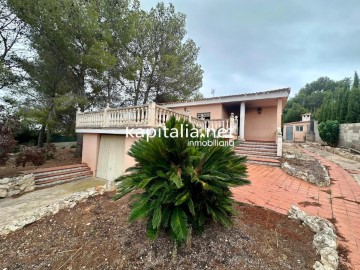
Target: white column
(242, 121)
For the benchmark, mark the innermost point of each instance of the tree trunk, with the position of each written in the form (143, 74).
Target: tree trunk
(40, 142)
(81, 92)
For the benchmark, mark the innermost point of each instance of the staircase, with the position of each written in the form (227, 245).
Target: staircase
(264, 153)
(57, 175)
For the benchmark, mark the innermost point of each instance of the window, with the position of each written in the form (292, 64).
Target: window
(205, 115)
(299, 128)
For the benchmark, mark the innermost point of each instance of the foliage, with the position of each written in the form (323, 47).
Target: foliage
(7, 143)
(182, 185)
(32, 154)
(35, 155)
(327, 100)
(293, 111)
(329, 132)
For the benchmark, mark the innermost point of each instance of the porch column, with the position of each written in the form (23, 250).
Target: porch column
(242, 121)
(279, 138)
(279, 113)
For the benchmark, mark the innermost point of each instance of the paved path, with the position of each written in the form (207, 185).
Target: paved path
(15, 208)
(274, 189)
(352, 166)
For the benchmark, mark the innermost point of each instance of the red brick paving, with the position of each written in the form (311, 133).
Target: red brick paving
(272, 188)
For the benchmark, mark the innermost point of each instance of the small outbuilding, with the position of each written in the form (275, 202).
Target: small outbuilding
(296, 131)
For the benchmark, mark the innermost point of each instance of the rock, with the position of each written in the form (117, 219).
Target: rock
(3, 193)
(329, 257)
(5, 180)
(13, 192)
(324, 240)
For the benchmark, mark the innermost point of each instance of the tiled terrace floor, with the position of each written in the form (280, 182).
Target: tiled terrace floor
(274, 189)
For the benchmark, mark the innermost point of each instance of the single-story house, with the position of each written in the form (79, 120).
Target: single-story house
(296, 131)
(252, 117)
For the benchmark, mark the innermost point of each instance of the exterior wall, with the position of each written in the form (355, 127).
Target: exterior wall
(316, 131)
(350, 135)
(90, 152)
(216, 110)
(128, 160)
(261, 127)
(298, 136)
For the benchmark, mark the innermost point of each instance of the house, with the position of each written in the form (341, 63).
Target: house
(296, 131)
(254, 118)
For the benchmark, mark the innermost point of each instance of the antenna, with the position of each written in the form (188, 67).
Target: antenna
(213, 92)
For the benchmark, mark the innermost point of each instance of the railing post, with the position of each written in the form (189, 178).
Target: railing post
(106, 120)
(77, 121)
(189, 117)
(152, 114)
(279, 142)
(232, 123)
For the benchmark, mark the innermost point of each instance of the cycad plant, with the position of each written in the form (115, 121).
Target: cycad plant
(181, 185)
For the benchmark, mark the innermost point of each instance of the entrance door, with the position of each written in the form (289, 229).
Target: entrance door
(289, 133)
(111, 157)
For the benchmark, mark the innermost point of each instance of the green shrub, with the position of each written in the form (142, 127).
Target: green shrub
(181, 185)
(329, 132)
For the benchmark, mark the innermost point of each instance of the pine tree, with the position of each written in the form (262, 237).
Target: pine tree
(356, 80)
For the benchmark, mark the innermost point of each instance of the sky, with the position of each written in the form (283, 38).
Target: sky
(258, 45)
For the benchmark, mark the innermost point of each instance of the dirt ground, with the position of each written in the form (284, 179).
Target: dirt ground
(96, 234)
(62, 157)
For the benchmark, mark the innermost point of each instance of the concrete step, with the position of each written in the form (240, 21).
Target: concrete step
(62, 180)
(62, 174)
(46, 171)
(263, 146)
(253, 149)
(260, 155)
(264, 161)
(259, 143)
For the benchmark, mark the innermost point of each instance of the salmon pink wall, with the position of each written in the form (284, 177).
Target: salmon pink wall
(261, 127)
(90, 150)
(216, 110)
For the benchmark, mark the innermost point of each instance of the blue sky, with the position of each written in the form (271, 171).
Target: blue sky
(255, 45)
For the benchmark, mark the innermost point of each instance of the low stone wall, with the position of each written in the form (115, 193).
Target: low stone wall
(16, 185)
(54, 208)
(324, 239)
(335, 150)
(350, 136)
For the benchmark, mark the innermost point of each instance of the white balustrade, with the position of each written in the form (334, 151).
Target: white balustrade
(149, 115)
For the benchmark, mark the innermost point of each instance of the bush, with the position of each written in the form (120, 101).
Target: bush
(182, 185)
(50, 150)
(329, 132)
(32, 154)
(7, 143)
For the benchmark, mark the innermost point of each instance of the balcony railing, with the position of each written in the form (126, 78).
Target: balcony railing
(149, 115)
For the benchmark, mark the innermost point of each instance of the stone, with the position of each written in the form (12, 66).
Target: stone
(5, 180)
(13, 192)
(3, 193)
(329, 257)
(324, 240)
